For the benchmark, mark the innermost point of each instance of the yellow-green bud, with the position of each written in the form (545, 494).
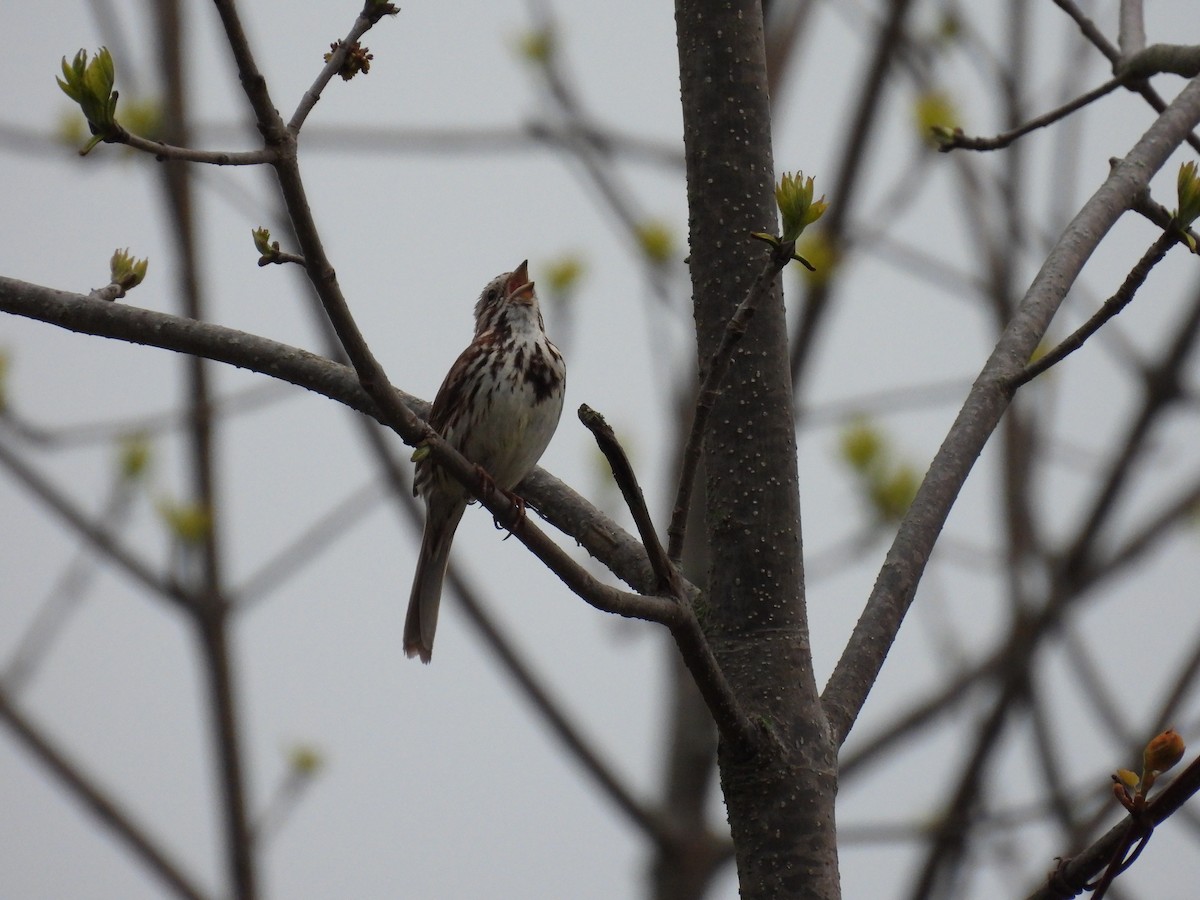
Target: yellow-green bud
(794, 194)
(134, 455)
(90, 84)
(657, 242)
(563, 274)
(188, 522)
(1188, 186)
(936, 118)
(125, 271)
(537, 45)
(305, 759)
(862, 445)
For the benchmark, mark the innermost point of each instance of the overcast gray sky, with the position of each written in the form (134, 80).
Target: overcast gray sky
(439, 781)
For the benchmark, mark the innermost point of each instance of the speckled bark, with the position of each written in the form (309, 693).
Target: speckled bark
(780, 803)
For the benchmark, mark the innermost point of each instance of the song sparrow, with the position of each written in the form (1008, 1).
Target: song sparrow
(498, 406)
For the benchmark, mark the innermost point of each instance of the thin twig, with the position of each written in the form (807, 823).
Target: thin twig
(94, 533)
(1111, 307)
(710, 390)
(67, 593)
(1113, 55)
(665, 572)
(163, 151)
(740, 733)
(960, 141)
(1089, 29)
(361, 26)
(254, 85)
(1073, 874)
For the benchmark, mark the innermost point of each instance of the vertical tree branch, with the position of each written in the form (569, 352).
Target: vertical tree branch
(211, 609)
(754, 613)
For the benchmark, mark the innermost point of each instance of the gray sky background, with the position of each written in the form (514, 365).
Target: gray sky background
(439, 781)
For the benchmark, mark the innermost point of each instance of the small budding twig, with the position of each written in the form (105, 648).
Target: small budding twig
(1116, 851)
(956, 140)
(1113, 305)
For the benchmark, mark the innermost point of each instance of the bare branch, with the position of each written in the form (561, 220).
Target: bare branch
(163, 151)
(989, 398)
(337, 58)
(93, 533)
(961, 141)
(1131, 33)
(98, 803)
(664, 570)
(1111, 307)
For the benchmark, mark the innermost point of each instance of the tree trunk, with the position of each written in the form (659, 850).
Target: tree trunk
(780, 800)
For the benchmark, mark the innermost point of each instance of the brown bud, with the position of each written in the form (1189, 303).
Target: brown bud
(1163, 751)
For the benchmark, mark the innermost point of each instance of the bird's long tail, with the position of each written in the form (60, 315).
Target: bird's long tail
(421, 621)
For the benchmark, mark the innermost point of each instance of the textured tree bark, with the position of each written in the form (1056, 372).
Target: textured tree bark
(780, 800)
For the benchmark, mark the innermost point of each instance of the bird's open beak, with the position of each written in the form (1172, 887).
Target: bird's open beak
(519, 287)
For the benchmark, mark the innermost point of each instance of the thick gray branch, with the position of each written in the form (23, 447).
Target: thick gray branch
(554, 500)
(897, 582)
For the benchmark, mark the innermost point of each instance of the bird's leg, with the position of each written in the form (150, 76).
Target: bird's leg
(519, 502)
(490, 486)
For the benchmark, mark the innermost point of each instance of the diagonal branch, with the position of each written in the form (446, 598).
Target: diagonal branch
(960, 141)
(897, 582)
(1073, 874)
(92, 532)
(742, 735)
(98, 802)
(361, 26)
(603, 538)
(1111, 307)
(666, 575)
